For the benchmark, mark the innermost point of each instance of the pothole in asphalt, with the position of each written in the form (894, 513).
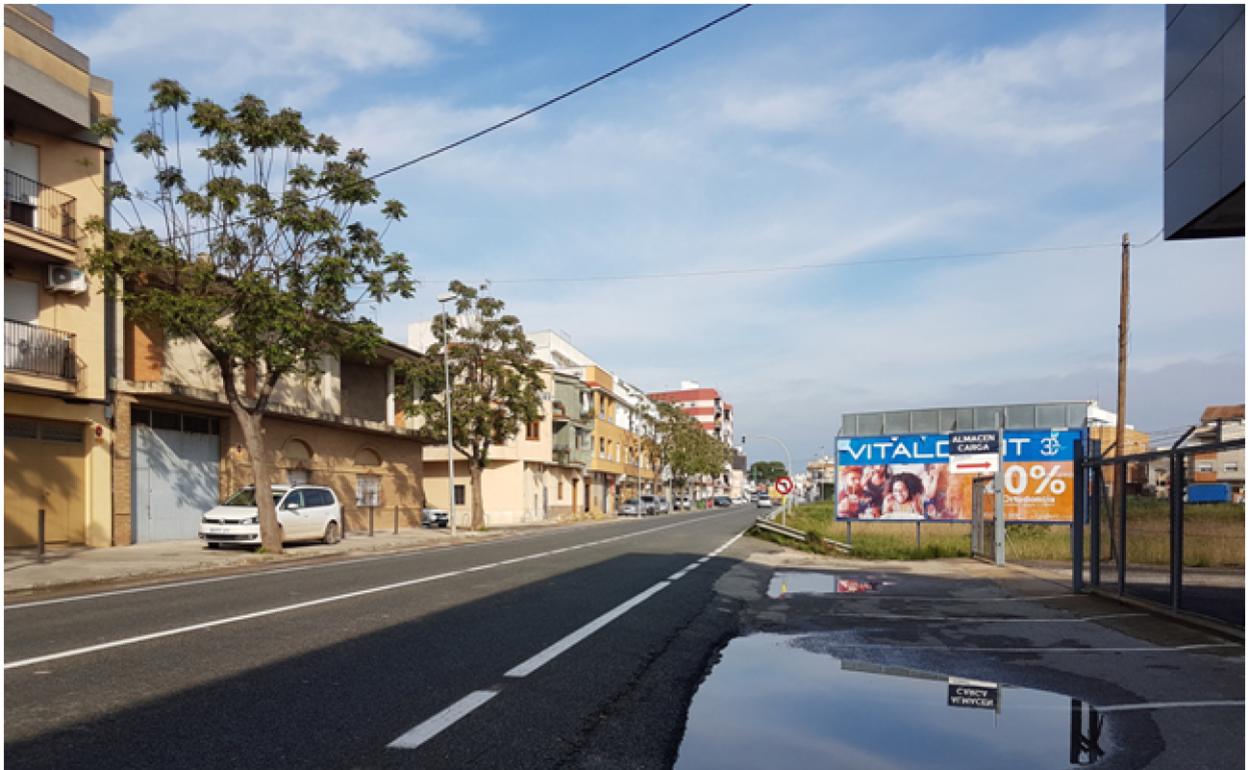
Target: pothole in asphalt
(769, 703)
(788, 583)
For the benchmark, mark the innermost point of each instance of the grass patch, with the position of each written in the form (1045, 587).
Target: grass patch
(1213, 536)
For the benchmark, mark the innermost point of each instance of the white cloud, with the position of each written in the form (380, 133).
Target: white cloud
(229, 46)
(1060, 90)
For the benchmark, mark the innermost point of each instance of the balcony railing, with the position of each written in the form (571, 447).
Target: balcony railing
(42, 208)
(36, 350)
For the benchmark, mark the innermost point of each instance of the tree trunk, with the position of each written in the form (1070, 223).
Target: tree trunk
(478, 505)
(253, 437)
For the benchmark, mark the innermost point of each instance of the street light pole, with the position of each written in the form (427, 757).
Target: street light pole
(446, 371)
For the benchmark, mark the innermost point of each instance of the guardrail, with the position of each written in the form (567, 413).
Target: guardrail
(37, 206)
(766, 524)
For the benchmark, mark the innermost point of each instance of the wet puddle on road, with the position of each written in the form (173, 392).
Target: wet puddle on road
(788, 583)
(768, 703)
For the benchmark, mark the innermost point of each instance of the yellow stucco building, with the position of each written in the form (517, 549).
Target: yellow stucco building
(57, 438)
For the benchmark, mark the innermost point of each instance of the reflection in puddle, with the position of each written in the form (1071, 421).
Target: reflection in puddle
(787, 583)
(768, 703)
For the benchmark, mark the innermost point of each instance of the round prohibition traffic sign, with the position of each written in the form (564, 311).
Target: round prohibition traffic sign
(784, 485)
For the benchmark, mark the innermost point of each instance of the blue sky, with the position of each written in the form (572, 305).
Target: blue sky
(786, 135)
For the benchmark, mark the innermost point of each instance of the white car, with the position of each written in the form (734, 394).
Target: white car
(304, 513)
(763, 502)
(434, 517)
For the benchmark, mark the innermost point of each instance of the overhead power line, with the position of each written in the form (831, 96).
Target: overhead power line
(521, 115)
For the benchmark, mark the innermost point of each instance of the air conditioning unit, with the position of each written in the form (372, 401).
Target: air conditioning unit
(66, 278)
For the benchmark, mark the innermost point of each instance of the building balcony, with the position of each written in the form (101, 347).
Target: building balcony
(30, 349)
(43, 209)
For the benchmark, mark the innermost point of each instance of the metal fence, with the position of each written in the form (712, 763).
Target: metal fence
(43, 208)
(1159, 540)
(37, 350)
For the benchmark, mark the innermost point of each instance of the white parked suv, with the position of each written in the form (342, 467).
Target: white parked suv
(304, 512)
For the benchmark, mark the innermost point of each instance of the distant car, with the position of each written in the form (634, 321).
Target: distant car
(686, 503)
(304, 512)
(434, 517)
(630, 507)
(763, 501)
(661, 504)
(722, 501)
(649, 505)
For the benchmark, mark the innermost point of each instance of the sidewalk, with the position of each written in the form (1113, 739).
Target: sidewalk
(81, 567)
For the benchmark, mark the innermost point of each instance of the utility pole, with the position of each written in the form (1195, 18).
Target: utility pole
(1120, 433)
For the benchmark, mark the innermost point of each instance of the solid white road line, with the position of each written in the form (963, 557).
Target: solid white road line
(323, 600)
(300, 568)
(564, 644)
(448, 716)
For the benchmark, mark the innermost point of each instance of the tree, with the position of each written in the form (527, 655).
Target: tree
(496, 383)
(768, 471)
(259, 262)
(685, 448)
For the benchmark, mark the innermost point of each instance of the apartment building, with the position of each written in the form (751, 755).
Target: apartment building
(705, 405)
(621, 419)
(57, 411)
(179, 449)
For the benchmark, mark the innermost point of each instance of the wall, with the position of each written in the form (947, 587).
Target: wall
(502, 493)
(334, 462)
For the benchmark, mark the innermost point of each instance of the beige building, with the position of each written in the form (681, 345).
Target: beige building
(57, 436)
(179, 449)
(524, 481)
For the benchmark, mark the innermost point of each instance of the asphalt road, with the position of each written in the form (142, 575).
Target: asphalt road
(342, 665)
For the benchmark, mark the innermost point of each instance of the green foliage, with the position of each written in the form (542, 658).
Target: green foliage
(263, 287)
(496, 382)
(767, 471)
(685, 447)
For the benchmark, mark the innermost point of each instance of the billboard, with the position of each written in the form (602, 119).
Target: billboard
(906, 478)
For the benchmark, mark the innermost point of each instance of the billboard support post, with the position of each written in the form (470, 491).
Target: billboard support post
(998, 484)
(1078, 521)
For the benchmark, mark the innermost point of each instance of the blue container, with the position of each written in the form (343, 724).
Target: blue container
(1209, 493)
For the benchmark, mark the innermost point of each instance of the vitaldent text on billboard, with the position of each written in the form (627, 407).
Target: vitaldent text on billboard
(906, 478)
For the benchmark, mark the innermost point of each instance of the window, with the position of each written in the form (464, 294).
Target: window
(296, 476)
(1204, 467)
(533, 432)
(368, 491)
(602, 447)
(459, 494)
(560, 492)
(1230, 467)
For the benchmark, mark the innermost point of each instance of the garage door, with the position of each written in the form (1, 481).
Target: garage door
(44, 465)
(176, 465)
